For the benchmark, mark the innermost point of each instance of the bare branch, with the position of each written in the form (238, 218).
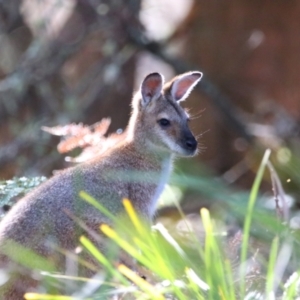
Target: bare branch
(279, 194)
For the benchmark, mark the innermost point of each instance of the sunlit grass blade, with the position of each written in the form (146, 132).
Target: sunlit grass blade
(131, 250)
(215, 263)
(144, 232)
(133, 216)
(141, 283)
(196, 284)
(35, 296)
(192, 232)
(207, 249)
(292, 286)
(143, 236)
(221, 293)
(215, 271)
(248, 218)
(282, 261)
(73, 278)
(117, 221)
(229, 279)
(170, 264)
(161, 267)
(271, 266)
(26, 257)
(164, 232)
(156, 260)
(88, 198)
(101, 258)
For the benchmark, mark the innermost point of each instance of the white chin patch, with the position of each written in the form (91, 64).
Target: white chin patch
(174, 147)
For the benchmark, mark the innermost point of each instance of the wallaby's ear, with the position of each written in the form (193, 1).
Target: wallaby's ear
(184, 84)
(151, 88)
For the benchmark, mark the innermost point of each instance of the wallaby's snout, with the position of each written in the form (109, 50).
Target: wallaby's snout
(190, 143)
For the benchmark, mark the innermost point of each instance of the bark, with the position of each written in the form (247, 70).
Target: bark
(82, 73)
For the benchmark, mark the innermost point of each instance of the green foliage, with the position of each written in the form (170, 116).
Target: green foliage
(17, 186)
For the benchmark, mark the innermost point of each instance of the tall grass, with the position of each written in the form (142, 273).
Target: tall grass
(169, 267)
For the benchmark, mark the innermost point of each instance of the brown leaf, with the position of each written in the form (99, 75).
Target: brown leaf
(70, 129)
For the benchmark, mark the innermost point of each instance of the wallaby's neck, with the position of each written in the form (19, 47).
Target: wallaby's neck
(157, 160)
(163, 179)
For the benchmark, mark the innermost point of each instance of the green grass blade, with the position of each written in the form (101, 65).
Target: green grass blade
(248, 218)
(197, 285)
(101, 258)
(141, 283)
(125, 245)
(91, 200)
(271, 266)
(26, 257)
(207, 251)
(291, 286)
(35, 296)
(214, 260)
(230, 280)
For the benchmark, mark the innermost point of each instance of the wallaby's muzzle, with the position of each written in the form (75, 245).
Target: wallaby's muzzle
(189, 143)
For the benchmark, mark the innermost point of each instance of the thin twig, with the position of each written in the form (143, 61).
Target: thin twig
(279, 194)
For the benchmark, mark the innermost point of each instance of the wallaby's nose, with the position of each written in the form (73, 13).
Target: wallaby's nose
(191, 143)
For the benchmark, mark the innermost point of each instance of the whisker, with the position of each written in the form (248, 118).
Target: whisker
(197, 115)
(201, 134)
(201, 148)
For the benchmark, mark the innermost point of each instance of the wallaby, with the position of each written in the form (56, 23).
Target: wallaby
(158, 130)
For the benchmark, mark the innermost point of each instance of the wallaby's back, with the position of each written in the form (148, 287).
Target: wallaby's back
(157, 131)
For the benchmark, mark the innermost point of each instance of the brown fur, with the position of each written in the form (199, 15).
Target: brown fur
(43, 216)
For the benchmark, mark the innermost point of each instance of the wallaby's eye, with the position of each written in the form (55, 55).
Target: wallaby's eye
(164, 122)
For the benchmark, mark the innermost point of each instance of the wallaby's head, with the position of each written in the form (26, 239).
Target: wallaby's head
(158, 121)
